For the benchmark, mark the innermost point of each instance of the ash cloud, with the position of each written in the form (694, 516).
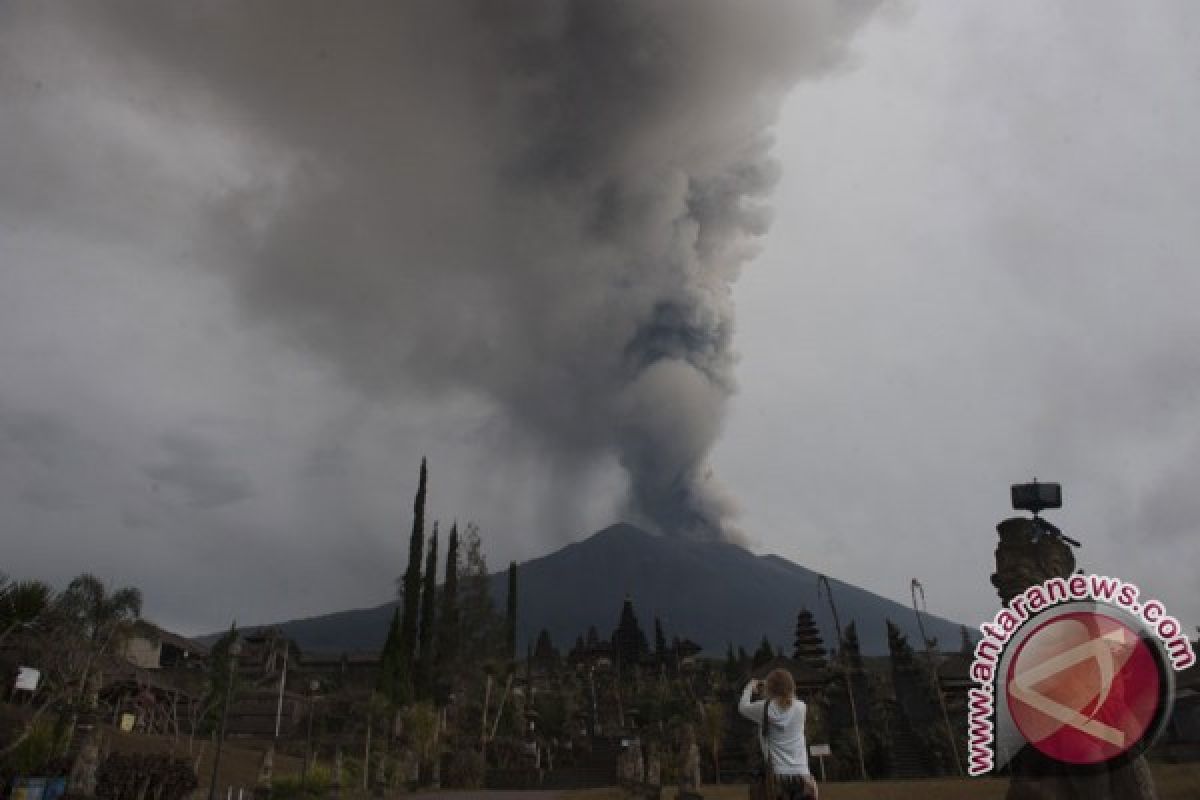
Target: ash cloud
(543, 205)
(194, 469)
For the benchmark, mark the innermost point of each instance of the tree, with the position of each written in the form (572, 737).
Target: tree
(22, 605)
(477, 621)
(421, 726)
(850, 716)
(629, 641)
(660, 642)
(510, 616)
(733, 670)
(411, 591)
(917, 703)
(103, 618)
(852, 650)
(447, 629)
(764, 654)
(389, 661)
(424, 672)
(39, 629)
(220, 679)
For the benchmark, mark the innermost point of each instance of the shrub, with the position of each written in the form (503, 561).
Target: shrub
(144, 775)
(36, 754)
(315, 784)
(465, 770)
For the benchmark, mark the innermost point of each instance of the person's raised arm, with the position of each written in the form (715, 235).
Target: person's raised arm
(751, 710)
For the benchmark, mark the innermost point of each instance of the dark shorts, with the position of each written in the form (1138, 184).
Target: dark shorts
(792, 787)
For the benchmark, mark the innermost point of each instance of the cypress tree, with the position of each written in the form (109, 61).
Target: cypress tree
(732, 669)
(629, 642)
(510, 617)
(412, 592)
(852, 651)
(447, 628)
(660, 641)
(424, 672)
(389, 660)
(763, 654)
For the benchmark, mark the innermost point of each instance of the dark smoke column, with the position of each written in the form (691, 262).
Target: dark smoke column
(653, 119)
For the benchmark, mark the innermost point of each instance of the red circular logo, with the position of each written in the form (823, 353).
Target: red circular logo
(1083, 688)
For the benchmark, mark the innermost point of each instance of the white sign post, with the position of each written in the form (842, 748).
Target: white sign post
(820, 751)
(28, 679)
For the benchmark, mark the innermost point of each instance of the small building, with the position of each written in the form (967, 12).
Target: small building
(150, 647)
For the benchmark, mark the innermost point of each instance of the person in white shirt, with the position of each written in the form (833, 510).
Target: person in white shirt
(785, 714)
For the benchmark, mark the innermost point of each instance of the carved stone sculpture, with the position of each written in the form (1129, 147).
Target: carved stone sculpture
(653, 767)
(1023, 560)
(689, 763)
(266, 770)
(82, 778)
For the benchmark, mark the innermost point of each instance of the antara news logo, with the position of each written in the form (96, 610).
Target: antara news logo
(1077, 668)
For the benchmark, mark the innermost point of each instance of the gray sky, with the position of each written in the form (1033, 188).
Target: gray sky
(239, 302)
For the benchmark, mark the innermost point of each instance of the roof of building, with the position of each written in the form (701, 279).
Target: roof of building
(148, 629)
(358, 657)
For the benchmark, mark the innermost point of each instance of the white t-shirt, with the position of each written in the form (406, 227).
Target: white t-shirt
(789, 750)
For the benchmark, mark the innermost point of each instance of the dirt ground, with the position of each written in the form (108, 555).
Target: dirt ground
(1173, 781)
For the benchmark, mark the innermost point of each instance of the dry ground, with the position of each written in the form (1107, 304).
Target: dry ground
(1173, 781)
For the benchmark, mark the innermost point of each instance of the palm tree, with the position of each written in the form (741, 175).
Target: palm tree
(101, 618)
(22, 605)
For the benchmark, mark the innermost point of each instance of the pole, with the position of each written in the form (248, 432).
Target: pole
(592, 689)
(367, 753)
(282, 684)
(487, 698)
(212, 788)
(917, 588)
(312, 691)
(823, 581)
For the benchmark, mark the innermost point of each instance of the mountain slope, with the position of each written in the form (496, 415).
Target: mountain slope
(711, 592)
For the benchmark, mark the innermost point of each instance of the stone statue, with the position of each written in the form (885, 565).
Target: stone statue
(408, 766)
(266, 770)
(653, 766)
(92, 694)
(1023, 560)
(381, 772)
(629, 766)
(82, 779)
(689, 764)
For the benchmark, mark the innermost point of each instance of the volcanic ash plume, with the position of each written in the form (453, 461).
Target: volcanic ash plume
(540, 204)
